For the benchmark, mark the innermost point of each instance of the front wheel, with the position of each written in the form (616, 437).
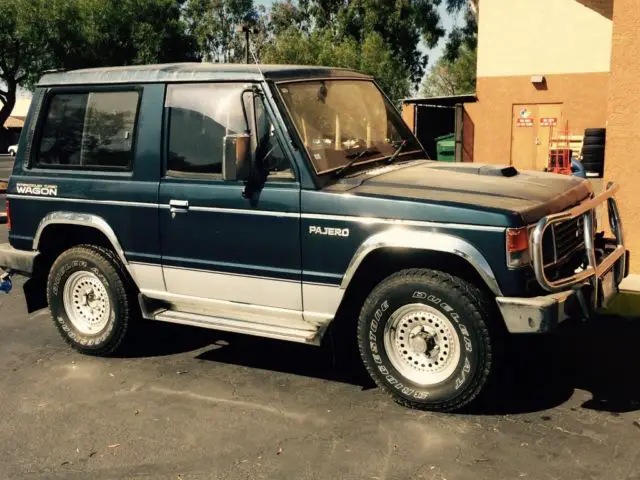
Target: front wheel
(423, 337)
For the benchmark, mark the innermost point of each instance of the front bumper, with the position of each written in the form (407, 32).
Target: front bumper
(543, 314)
(590, 288)
(16, 261)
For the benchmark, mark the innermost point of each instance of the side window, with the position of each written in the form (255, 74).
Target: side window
(92, 130)
(269, 149)
(199, 116)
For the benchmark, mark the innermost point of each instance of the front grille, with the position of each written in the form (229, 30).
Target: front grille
(562, 240)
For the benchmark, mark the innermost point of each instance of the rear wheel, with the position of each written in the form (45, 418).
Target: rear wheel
(423, 337)
(90, 299)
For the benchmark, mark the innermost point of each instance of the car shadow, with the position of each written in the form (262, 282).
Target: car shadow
(600, 357)
(335, 360)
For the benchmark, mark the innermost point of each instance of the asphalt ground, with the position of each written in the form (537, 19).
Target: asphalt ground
(6, 166)
(186, 403)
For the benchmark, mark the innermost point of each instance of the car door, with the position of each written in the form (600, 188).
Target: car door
(217, 245)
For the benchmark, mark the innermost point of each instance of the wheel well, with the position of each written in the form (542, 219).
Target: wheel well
(57, 238)
(383, 262)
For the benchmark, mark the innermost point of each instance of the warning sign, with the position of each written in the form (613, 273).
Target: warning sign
(548, 122)
(525, 122)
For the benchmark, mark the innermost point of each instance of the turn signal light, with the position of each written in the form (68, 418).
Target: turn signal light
(517, 239)
(518, 247)
(8, 216)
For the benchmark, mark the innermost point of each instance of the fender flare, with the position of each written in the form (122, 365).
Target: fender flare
(86, 220)
(427, 241)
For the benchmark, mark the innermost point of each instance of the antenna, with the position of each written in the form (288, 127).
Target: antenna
(248, 30)
(255, 59)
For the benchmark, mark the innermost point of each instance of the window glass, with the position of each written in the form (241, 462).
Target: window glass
(199, 118)
(89, 130)
(339, 120)
(269, 150)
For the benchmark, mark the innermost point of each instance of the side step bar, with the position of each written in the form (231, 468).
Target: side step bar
(237, 326)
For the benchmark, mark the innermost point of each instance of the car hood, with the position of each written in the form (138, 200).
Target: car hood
(526, 194)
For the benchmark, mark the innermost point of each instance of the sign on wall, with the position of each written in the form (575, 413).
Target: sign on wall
(525, 118)
(548, 122)
(525, 122)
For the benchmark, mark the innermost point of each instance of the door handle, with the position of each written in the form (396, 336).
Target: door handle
(178, 206)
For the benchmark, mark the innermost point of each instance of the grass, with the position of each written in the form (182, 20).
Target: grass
(625, 304)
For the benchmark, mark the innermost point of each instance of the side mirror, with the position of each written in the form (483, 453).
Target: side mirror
(236, 156)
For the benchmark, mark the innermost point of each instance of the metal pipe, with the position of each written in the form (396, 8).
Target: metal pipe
(593, 270)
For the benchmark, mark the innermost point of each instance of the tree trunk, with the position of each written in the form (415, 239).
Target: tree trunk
(10, 102)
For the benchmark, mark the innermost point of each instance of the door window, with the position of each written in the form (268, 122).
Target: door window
(269, 151)
(201, 115)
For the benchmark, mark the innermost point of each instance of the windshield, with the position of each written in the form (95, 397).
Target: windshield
(340, 119)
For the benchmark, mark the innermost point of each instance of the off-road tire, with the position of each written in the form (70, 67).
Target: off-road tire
(596, 141)
(104, 264)
(465, 307)
(595, 132)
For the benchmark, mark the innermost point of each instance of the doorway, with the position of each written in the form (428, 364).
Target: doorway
(531, 126)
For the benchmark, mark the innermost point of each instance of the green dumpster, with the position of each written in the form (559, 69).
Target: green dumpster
(446, 148)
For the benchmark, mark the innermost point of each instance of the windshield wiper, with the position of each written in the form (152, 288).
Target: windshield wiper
(354, 159)
(392, 158)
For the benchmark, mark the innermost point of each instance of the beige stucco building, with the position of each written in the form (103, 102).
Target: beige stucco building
(574, 62)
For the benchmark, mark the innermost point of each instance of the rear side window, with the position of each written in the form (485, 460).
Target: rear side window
(92, 130)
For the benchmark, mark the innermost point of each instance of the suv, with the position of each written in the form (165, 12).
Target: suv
(275, 200)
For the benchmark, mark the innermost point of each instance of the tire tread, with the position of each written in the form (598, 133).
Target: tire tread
(481, 316)
(123, 291)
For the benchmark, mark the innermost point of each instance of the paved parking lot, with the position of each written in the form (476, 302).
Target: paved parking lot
(6, 166)
(185, 403)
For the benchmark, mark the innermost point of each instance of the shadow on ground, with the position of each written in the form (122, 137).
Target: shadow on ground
(601, 357)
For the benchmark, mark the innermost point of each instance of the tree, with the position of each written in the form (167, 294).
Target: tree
(457, 77)
(380, 38)
(213, 25)
(455, 72)
(36, 35)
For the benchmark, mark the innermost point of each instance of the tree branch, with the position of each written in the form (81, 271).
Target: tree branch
(5, 69)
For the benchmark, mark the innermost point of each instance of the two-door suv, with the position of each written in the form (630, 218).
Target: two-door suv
(274, 200)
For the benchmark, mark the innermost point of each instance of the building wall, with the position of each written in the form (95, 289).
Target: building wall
(546, 37)
(583, 98)
(623, 130)
(566, 41)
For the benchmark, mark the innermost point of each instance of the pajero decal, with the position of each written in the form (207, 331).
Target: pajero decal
(37, 189)
(331, 232)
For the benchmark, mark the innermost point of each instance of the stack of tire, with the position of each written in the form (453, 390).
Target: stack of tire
(593, 150)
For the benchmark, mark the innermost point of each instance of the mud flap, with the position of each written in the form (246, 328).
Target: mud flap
(35, 294)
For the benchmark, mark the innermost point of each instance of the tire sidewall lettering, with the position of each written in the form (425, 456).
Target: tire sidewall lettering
(385, 308)
(57, 304)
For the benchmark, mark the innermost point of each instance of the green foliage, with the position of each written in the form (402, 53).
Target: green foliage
(455, 72)
(212, 23)
(36, 35)
(452, 77)
(379, 38)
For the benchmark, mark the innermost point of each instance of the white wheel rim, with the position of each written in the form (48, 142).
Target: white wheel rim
(86, 302)
(422, 344)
